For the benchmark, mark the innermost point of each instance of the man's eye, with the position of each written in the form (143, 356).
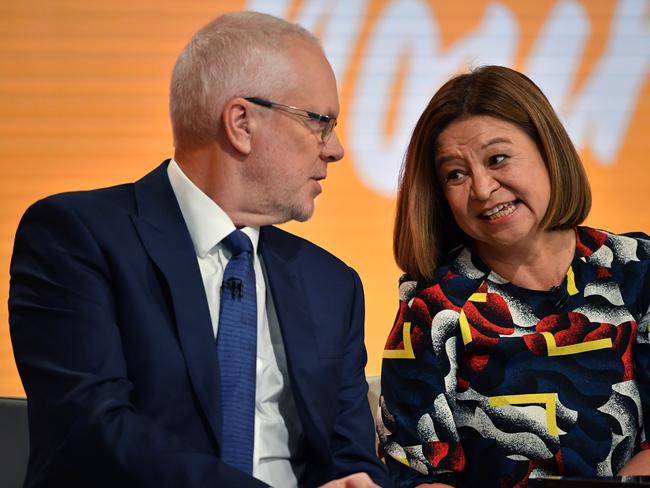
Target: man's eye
(316, 124)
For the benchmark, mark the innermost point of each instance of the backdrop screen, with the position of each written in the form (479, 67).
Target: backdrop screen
(84, 85)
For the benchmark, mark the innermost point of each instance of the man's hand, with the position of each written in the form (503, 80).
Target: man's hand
(639, 465)
(356, 480)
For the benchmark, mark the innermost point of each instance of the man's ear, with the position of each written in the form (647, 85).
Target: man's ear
(237, 124)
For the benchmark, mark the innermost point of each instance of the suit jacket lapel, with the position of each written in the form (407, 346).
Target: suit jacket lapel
(297, 329)
(165, 236)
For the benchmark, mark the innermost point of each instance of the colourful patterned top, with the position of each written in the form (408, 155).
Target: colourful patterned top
(487, 384)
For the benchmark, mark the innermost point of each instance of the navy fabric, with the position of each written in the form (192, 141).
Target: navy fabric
(502, 383)
(113, 340)
(236, 353)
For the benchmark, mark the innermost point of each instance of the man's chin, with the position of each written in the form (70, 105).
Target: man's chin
(303, 216)
(282, 215)
(303, 213)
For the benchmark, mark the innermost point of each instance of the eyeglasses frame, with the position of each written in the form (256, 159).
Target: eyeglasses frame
(328, 120)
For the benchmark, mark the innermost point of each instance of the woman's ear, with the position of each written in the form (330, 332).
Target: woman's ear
(237, 124)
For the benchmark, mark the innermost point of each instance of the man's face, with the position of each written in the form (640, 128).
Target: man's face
(289, 158)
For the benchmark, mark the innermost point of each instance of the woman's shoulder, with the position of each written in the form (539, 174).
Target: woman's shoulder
(607, 249)
(455, 279)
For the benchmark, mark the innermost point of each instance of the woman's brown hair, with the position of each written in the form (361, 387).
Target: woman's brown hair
(425, 230)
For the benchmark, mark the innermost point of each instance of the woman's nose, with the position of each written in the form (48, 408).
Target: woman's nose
(483, 185)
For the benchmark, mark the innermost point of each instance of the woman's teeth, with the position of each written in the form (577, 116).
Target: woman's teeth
(499, 211)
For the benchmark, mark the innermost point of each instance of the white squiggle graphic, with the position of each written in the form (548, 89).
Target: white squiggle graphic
(554, 61)
(601, 113)
(597, 113)
(407, 30)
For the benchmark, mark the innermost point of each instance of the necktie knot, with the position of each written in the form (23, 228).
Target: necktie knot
(237, 242)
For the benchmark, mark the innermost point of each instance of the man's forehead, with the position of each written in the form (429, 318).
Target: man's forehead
(307, 79)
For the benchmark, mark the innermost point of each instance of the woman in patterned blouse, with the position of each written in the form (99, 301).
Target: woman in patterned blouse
(520, 348)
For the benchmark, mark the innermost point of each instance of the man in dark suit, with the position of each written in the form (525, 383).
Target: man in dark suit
(160, 346)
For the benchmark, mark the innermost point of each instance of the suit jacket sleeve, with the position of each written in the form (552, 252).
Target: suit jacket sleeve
(353, 438)
(67, 338)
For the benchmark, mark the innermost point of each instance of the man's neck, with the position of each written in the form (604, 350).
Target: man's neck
(215, 174)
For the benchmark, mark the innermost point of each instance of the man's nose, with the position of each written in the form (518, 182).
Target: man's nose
(332, 150)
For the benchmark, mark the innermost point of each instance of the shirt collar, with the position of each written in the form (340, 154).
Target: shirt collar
(206, 221)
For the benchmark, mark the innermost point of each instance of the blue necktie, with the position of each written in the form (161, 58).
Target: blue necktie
(237, 353)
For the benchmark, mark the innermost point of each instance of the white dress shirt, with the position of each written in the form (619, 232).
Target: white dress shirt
(277, 426)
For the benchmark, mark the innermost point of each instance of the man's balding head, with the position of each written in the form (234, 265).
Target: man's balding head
(237, 54)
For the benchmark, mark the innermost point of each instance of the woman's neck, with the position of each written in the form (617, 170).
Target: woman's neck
(539, 265)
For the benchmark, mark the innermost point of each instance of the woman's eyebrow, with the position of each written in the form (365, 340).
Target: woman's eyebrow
(444, 159)
(496, 140)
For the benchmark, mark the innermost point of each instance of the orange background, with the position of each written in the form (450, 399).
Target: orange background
(83, 104)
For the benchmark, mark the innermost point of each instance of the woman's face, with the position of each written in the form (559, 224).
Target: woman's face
(495, 182)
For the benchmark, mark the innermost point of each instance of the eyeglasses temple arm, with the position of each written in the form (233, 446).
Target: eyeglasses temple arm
(260, 101)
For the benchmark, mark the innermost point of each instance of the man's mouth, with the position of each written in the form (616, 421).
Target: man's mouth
(499, 211)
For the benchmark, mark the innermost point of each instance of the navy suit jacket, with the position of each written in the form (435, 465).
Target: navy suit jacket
(113, 341)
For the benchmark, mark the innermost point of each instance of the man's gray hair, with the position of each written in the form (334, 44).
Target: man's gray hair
(237, 54)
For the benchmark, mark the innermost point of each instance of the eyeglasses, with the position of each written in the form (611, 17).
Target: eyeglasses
(326, 122)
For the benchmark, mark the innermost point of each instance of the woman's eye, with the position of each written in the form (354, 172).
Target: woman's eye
(453, 175)
(497, 158)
